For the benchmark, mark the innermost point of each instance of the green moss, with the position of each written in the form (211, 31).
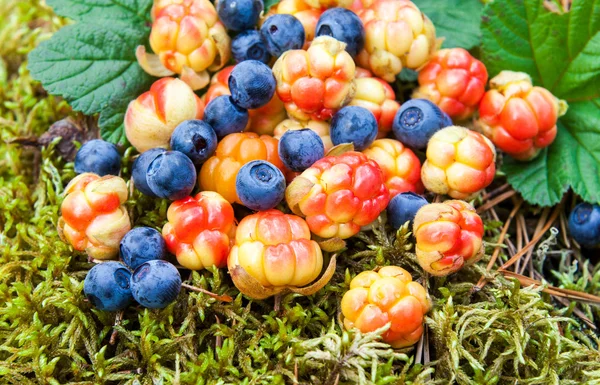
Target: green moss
(49, 333)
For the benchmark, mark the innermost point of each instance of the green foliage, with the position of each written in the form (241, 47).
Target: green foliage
(561, 52)
(457, 21)
(92, 63)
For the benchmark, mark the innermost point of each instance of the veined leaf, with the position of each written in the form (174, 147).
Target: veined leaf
(561, 52)
(135, 11)
(92, 63)
(457, 21)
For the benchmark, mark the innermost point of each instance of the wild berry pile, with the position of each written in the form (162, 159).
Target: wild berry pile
(280, 137)
(214, 143)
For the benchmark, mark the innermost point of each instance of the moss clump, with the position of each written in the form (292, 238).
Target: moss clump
(49, 333)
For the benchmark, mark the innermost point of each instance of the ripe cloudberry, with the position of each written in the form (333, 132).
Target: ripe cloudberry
(449, 236)
(460, 163)
(398, 35)
(187, 39)
(519, 118)
(388, 295)
(339, 194)
(152, 117)
(317, 82)
(200, 230)
(219, 173)
(93, 218)
(454, 80)
(273, 252)
(400, 166)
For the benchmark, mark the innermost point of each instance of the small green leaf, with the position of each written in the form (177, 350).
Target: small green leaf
(458, 21)
(135, 11)
(572, 160)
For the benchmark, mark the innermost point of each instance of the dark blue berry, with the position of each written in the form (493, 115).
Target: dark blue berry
(260, 185)
(282, 33)
(403, 207)
(239, 15)
(343, 25)
(171, 175)
(98, 157)
(299, 149)
(106, 286)
(142, 244)
(225, 117)
(249, 45)
(355, 125)
(140, 169)
(252, 84)
(155, 284)
(196, 139)
(416, 122)
(584, 224)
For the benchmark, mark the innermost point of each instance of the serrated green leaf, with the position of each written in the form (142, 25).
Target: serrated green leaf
(89, 64)
(93, 66)
(136, 11)
(458, 21)
(561, 52)
(572, 160)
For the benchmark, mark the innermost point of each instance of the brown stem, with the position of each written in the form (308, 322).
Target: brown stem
(488, 205)
(533, 242)
(224, 297)
(114, 334)
(482, 280)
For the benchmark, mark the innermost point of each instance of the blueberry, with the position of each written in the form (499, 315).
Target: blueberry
(355, 125)
(403, 207)
(249, 45)
(142, 244)
(140, 168)
(416, 122)
(239, 15)
(584, 224)
(299, 149)
(155, 284)
(343, 25)
(225, 117)
(252, 84)
(282, 33)
(171, 175)
(98, 157)
(106, 286)
(260, 185)
(196, 139)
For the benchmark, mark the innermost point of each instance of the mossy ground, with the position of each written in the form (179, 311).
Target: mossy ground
(49, 334)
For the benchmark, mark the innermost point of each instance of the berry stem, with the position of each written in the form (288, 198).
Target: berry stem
(224, 298)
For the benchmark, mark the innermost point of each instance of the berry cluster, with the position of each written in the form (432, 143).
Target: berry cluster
(306, 121)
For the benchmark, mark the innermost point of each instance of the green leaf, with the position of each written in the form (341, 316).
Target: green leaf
(458, 21)
(136, 11)
(561, 52)
(92, 63)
